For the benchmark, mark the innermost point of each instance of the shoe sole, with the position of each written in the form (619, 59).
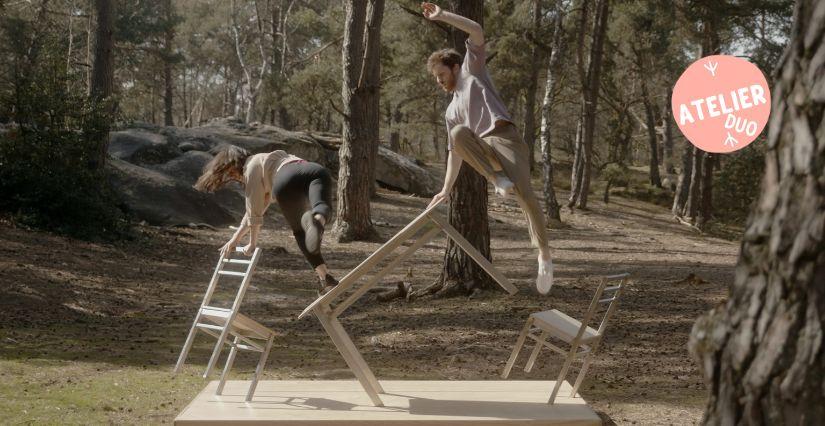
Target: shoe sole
(313, 232)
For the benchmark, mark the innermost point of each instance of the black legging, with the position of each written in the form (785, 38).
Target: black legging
(299, 187)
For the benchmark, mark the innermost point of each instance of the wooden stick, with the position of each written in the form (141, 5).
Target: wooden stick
(338, 340)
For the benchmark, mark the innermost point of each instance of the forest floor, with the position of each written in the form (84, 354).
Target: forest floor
(89, 332)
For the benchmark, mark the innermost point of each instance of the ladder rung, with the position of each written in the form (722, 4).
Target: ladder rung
(214, 308)
(612, 288)
(247, 347)
(210, 326)
(609, 299)
(233, 273)
(243, 262)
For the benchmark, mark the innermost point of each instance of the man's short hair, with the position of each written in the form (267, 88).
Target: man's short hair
(446, 57)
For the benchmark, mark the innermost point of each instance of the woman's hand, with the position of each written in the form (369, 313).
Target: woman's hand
(441, 196)
(228, 248)
(431, 11)
(248, 249)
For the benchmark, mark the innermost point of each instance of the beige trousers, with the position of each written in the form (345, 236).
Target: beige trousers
(504, 150)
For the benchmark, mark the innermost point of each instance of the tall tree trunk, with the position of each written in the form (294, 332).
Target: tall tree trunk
(694, 193)
(706, 189)
(667, 138)
(169, 82)
(103, 70)
(468, 206)
(762, 353)
(652, 138)
(699, 183)
(683, 185)
(551, 205)
(529, 135)
(590, 98)
(360, 92)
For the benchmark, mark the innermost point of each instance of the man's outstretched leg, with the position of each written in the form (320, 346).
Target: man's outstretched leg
(513, 154)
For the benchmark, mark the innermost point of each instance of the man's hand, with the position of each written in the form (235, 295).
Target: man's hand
(441, 196)
(431, 11)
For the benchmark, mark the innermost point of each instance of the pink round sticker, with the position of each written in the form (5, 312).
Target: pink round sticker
(721, 103)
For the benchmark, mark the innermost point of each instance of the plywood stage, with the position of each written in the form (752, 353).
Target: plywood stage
(407, 402)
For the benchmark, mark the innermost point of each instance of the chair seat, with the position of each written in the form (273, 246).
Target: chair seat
(563, 326)
(242, 324)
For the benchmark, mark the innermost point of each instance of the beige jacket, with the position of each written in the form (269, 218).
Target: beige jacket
(259, 172)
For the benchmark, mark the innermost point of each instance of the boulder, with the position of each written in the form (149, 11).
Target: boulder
(142, 146)
(162, 200)
(392, 170)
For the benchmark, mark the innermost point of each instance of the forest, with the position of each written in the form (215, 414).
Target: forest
(111, 109)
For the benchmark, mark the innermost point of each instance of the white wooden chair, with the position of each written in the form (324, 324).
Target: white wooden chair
(583, 339)
(223, 323)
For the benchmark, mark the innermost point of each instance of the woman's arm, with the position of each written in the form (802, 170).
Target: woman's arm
(435, 13)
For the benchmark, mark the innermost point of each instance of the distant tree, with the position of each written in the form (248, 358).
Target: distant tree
(360, 91)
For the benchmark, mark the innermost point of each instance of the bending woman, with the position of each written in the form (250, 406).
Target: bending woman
(303, 190)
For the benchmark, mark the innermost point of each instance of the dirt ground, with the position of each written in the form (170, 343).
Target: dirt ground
(89, 332)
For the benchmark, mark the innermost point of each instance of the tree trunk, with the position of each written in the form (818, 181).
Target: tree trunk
(652, 138)
(683, 186)
(694, 193)
(169, 83)
(468, 206)
(529, 134)
(103, 70)
(551, 205)
(360, 91)
(667, 139)
(706, 190)
(762, 352)
(590, 98)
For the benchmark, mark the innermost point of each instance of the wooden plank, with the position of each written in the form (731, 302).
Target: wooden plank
(337, 340)
(423, 239)
(408, 403)
(475, 254)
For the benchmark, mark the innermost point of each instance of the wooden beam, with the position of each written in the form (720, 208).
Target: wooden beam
(475, 254)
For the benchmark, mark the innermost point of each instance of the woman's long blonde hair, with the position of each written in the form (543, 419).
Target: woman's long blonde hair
(218, 172)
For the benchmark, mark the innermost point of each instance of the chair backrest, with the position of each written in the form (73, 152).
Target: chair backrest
(236, 258)
(604, 295)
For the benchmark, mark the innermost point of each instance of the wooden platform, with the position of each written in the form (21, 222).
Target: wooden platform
(407, 402)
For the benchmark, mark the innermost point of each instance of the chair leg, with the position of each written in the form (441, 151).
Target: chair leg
(563, 373)
(229, 361)
(535, 353)
(187, 346)
(519, 344)
(260, 369)
(582, 372)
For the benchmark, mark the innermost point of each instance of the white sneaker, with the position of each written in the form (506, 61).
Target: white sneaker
(544, 280)
(503, 186)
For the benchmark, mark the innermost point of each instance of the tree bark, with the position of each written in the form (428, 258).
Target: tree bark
(103, 70)
(762, 353)
(360, 92)
(551, 205)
